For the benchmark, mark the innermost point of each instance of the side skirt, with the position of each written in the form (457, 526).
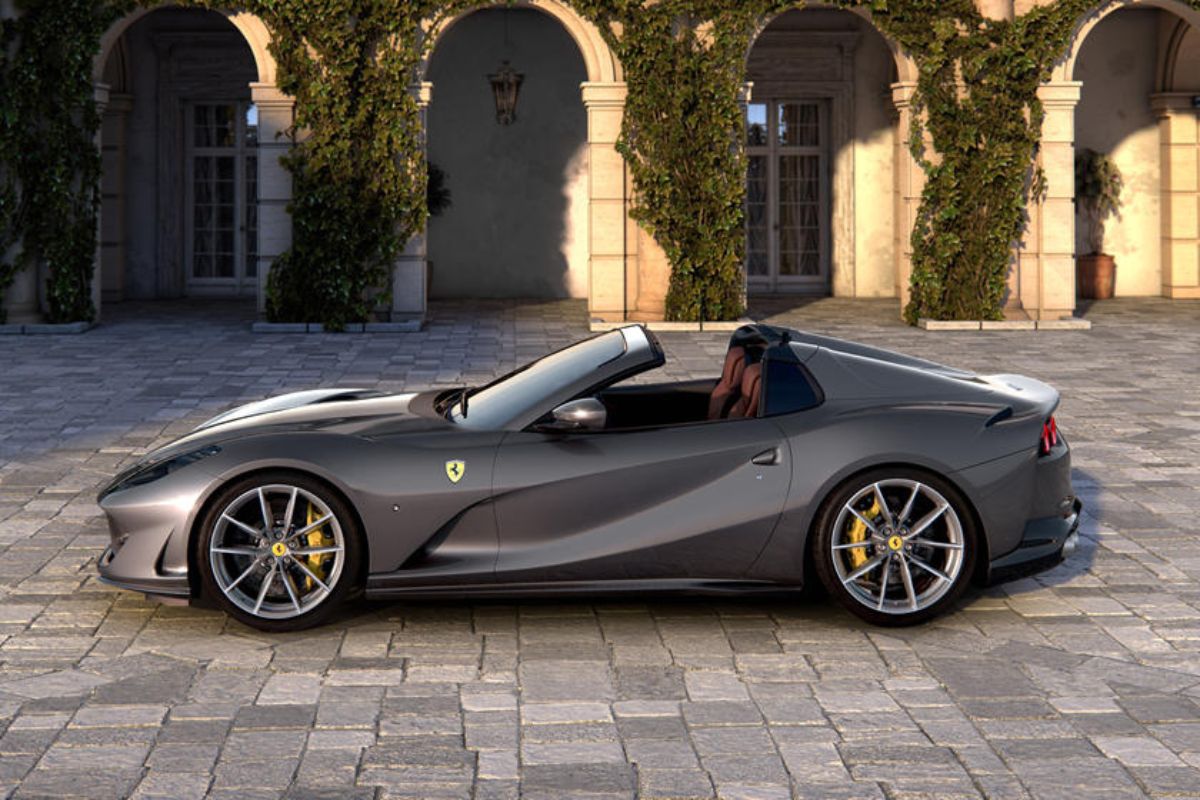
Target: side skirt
(385, 586)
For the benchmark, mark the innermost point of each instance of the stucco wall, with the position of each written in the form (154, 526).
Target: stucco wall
(518, 224)
(1117, 67)
(874, 157)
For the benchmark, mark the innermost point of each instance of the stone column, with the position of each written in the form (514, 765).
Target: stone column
(909, 181)
(111, 225)
(1178, 140)
(1046, 258)
(607, 210)
(100, 97)
(996, 9)
(275, 117)
(410, 272)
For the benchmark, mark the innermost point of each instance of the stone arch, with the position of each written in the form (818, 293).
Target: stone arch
(1064, 70)
(115, 102)
(906, 67)
(615, 284)
(601, 64)
(1158, 141)
(848, 73)
(253, 30)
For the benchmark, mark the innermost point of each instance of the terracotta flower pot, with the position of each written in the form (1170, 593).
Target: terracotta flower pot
(1095, 274)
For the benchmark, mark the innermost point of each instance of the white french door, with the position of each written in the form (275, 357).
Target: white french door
(221, 215)
(787, 196)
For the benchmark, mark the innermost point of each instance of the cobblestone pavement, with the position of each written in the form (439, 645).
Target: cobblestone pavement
(1083, 682)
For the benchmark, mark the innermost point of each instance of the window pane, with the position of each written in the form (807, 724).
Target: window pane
(251, 125)
(799, 125)
(756, 124)
(223, 265)
(223, 126)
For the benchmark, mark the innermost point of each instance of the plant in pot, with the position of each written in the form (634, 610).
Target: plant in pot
(437, 201)
(1098, 187)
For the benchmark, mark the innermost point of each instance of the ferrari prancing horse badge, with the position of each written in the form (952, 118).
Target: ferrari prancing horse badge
(455, 470)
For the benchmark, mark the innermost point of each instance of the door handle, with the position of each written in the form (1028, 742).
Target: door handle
(767, 458)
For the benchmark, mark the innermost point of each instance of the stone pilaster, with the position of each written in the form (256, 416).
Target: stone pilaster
(1178, 140)
(275, 117)
(112, 225)
(608, 249)
(996, 9)
(1045, 278)
(909, 181)
(100, 96)
(410, 289)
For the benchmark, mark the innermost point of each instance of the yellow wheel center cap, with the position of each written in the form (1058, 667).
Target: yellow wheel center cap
(895, 542)
(279, 549)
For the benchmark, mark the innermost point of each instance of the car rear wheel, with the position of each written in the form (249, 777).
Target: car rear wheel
(279, 552)
(895, 546)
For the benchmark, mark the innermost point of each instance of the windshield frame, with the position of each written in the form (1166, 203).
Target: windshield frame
(638, 351)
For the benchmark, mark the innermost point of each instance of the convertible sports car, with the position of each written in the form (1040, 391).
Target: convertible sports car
(895, 481)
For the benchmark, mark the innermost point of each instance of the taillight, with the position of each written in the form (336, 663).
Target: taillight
(1049, 436)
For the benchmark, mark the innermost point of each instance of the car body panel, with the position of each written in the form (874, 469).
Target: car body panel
(640, 504)
(669, 505)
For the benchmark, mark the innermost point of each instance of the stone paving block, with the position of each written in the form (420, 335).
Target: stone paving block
(1081, 681)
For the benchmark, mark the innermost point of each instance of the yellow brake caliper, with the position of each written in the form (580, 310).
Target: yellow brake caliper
(316, 538)
(858, 533)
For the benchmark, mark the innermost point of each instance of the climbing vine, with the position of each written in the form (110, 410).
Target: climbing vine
(684, 64)
(360, 176)
(976, 102)
(49, 166)
(359, 173)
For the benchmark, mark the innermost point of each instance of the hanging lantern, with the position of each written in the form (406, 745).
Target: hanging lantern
(506, 86)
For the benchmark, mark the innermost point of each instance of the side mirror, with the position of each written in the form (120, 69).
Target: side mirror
(586, 414)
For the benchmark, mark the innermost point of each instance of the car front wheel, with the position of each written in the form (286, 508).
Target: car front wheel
(279, 552)
(895, 546)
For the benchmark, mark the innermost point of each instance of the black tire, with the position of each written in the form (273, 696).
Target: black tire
(942, 536)
(344, 586)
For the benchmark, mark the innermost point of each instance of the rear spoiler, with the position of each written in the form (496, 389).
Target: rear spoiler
(1028, 397)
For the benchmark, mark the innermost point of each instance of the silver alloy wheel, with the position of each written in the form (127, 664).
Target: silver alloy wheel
(277, 551)
(897, 546)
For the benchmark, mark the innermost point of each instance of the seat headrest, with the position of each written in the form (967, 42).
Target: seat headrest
(727, 388)
(747, 403)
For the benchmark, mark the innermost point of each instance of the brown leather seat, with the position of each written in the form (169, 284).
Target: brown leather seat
(726, 391)
(747, 403)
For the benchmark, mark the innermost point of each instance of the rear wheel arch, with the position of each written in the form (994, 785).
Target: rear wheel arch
(981, 562)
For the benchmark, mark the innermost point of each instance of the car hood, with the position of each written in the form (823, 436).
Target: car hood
(351, 412)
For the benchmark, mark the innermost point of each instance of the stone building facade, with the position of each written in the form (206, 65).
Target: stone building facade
(194, 196)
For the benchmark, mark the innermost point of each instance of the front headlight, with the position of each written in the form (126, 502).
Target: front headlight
(148, 473)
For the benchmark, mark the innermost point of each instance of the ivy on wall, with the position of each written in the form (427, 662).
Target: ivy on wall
(359, 170)
(976, 102)
(359, 173)
(684, 64)
(49, 166)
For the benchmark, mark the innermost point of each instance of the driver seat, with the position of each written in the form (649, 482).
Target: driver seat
(728, 388)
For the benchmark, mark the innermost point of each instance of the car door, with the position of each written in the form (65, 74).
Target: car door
(689, 501)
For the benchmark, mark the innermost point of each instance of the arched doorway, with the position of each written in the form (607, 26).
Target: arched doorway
(616, 258)
(822, 138)
(518, 222)
(184, 93)
(1135, 65)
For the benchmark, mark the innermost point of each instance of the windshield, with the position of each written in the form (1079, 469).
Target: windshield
(515, 394)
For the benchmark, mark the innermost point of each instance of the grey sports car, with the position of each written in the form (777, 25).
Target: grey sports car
(895, 481)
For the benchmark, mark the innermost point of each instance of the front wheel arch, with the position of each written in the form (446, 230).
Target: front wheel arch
(193, 571)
